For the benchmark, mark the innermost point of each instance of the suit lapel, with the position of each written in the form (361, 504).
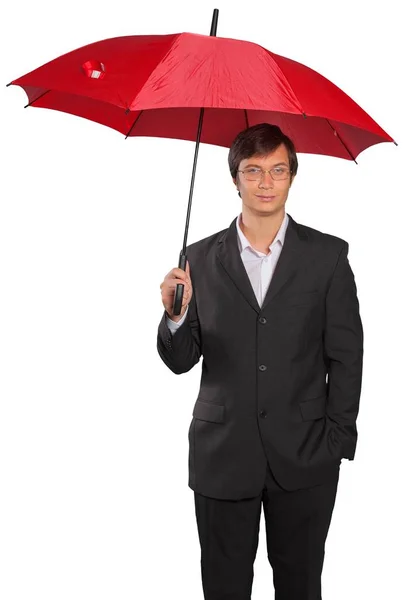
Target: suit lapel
(229, 256)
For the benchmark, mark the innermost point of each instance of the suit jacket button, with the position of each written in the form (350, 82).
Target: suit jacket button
(262, 414)
(262, 320)
(262, 367)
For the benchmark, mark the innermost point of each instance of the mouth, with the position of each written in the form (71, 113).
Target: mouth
(266, 198)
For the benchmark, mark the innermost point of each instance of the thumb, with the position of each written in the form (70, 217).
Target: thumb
(188, 271)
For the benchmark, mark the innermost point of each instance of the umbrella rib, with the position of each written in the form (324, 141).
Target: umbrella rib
(246, 119)
(132, 126)
(341, 141)
(41, 95)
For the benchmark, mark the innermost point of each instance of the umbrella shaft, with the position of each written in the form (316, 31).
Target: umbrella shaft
(214, 26)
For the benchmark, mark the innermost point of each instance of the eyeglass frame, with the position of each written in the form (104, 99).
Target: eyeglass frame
(263, 171)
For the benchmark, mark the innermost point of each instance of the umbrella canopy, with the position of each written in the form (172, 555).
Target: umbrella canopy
(158, 85)
(155, 85)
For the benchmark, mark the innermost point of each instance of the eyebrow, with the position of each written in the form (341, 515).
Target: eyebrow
(275, 165)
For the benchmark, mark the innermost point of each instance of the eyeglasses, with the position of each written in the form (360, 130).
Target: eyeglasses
(255, 173)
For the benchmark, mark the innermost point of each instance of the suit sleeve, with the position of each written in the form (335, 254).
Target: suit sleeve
(182, 349)
(343, 346)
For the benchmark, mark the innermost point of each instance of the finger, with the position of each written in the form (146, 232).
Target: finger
(188, 271)
(172, 284)
(181, 274)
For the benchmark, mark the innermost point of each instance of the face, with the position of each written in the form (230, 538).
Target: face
(265, 186)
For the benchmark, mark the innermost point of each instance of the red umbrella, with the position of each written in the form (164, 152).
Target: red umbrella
(159, 85)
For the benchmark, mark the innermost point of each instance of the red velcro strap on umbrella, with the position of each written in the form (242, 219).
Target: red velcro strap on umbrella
(94, 69)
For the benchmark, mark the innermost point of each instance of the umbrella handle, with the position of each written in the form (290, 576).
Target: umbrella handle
(179, 292)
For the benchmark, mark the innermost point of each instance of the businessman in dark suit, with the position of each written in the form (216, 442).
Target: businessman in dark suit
(271, 306)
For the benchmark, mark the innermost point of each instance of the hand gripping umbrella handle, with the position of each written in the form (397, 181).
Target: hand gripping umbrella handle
(179, 292)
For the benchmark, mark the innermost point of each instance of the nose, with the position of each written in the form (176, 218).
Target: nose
(266, 180)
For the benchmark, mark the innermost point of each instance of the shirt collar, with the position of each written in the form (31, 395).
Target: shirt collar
(280, 236)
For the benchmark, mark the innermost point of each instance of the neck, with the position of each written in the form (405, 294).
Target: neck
(260, 231)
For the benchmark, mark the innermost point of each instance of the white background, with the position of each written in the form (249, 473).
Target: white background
(94, 499)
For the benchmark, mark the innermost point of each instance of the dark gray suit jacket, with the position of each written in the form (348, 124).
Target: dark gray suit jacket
(280, 382)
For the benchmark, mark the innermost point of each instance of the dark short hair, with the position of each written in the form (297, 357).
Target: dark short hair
(260, 139)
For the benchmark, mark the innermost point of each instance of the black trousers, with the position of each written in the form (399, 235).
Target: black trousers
(297, 524)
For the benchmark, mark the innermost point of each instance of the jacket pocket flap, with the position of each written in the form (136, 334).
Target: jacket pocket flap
(314, 408)
(209, 412)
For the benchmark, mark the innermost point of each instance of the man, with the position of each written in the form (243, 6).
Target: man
(271, 306)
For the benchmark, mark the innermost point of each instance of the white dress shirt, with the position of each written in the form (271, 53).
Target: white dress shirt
(259, 266)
